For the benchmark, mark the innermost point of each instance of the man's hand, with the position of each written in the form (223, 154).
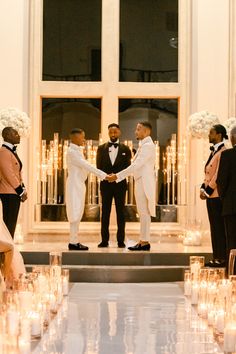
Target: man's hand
(24, 197)
(203, 195)
(111, 178)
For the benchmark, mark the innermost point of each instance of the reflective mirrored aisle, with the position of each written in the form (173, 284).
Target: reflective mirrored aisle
(127, 319)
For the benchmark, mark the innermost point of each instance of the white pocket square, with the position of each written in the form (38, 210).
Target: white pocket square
(123, 153)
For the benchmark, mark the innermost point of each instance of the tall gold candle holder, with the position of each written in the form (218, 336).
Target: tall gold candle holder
(55, 166)
(64, 165)
(173, 164)
(157, 167)
(50, 156)
(44, 171)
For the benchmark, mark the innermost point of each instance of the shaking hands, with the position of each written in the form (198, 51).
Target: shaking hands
(111, 178)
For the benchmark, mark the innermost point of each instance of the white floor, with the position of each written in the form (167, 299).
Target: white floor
(127, 319)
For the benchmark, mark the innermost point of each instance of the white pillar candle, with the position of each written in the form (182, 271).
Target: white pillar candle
(36, 326)
(194, 294)
(25, 299)
(65, 286)
(25, 329)
(24, 347)
(220, 321)
(202, 310)
(225, 288)
(230, 338)
(195, 268)
(211, 317)
(42, 283)
(13, 322)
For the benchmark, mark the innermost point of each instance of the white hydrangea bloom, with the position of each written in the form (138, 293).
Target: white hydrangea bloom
(201, 122)
(229, 124)
(13, 117)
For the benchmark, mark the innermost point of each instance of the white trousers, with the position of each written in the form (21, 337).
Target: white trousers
(142, 207)
(74, 226)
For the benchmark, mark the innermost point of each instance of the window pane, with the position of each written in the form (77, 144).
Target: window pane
(149, 40)
(163, 116)
(72, 40)
(61, 115)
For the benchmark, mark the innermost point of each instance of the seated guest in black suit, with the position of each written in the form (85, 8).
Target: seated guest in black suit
(226, 184)
(113, 157)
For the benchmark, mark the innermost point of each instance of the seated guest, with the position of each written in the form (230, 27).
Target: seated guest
(13, 264)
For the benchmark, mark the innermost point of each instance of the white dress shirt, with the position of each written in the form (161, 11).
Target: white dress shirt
(11, 146)
(113, 151)
(216, 146)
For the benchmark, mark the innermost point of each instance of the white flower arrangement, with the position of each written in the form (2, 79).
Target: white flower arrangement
(15, 118)
(201, 122)
(229, 124)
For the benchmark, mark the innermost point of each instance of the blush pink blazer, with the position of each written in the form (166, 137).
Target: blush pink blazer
(10, 174)
(211, 171)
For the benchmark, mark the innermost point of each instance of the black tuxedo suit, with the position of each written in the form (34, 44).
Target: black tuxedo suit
(226, 184)
(113, 190)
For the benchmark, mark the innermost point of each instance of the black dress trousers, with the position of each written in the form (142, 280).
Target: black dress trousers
(217, 227)
(10, 209)
(108, 192)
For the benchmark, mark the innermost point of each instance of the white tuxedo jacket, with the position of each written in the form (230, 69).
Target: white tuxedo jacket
(143, 167)
(78, 169)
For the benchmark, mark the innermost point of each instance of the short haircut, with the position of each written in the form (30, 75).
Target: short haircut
(6, 131)
(76, 131)
(220, 129)
(146, 124)
(113, 125)
(233, 130)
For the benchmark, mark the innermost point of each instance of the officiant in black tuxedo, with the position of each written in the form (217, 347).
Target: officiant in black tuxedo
(113, 157)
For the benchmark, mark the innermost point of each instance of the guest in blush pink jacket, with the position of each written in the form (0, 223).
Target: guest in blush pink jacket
(12, 189)
(209, 193)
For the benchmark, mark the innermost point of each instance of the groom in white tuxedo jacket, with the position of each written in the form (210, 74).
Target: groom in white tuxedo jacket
(143, 171)
(78, 169)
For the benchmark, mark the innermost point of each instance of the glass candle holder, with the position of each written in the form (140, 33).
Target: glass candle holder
(194, 292)
(202, 299)
(55, 259)
(230, 331)
(196, 263)
(232, 256)
(65, 281)
(36, 324)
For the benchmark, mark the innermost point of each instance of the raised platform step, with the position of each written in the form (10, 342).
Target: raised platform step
(123, 274)
(116, 267)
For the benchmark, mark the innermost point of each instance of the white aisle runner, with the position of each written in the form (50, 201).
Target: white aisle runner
(127, 319)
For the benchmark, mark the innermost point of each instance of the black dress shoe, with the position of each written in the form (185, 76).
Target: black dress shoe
(216, 263)
(121, 245)
(140, 247)
(103, 244)
(211, 263)
(77, 247)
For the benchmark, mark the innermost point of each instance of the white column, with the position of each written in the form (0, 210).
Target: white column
(14, 68)
(210, 74)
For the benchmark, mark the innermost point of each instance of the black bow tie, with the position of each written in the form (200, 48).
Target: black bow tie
(113, 144)
(14, 148)
(212, 148)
